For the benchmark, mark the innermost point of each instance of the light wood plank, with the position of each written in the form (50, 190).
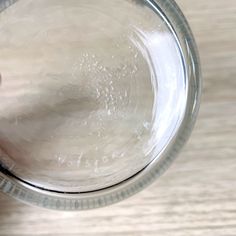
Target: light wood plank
(197, 195)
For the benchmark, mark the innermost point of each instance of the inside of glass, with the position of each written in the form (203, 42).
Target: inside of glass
(91, 91)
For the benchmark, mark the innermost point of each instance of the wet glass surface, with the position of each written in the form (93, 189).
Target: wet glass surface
(90, 93)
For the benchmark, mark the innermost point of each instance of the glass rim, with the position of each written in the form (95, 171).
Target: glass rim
(23, 191)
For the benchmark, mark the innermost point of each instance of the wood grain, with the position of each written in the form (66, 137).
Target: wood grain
(197, 195)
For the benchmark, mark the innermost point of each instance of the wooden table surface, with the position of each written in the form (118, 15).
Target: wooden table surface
(197, 195)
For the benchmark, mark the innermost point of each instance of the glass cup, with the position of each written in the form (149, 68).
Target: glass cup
(97, 98)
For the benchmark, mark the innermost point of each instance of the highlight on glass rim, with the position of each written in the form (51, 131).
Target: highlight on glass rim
(97, 98)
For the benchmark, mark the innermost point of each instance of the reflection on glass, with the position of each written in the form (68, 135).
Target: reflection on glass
(90, 93)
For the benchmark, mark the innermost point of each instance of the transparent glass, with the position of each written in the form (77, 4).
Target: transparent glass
(97, 97)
